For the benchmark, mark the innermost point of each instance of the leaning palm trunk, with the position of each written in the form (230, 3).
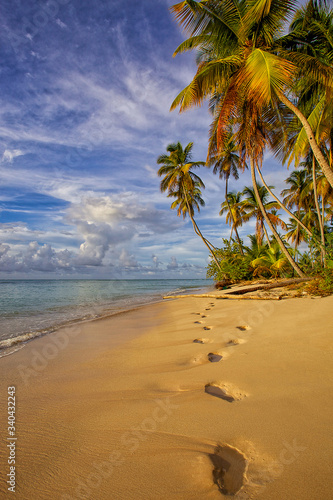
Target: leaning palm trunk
(232, 218)
(321, 225)
(293, 216)
(270, 225)
(210, 247)
(311, 138)
(266, 234)
(296, 243)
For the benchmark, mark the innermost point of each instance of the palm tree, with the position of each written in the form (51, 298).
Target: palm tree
(294, 234)
(183, 184)
(256, 249)
(226, 164)
(234, 209)
(239, 71)
(253, 210)
(242, 55)
(298, 195)
(311, 41)
(272, 261)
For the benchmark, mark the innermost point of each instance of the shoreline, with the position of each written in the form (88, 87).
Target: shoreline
(9, 346)
(102, 416)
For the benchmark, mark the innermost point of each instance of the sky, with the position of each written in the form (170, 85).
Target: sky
(85, 91)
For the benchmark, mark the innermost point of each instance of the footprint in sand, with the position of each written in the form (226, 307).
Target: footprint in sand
(197, 313)
(200, 341)
(224, 391)
(243, 328)
(214, 357)
(203, 316)
(207, 328)
(198, 322)
(208, 309)
(235, 342)
(230, 466)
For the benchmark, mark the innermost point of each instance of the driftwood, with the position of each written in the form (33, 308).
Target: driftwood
(268, 287)
(224, 296)
(223, 284)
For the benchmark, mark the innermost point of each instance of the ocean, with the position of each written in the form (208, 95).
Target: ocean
(32, 308)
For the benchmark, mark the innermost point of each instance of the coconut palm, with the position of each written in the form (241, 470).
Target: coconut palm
(239, 70)
(252, 210)
(295, 234)
(234, 209)
(183, 184)
(300, 196)
(242, 53)
(273, 261)
(226, 164)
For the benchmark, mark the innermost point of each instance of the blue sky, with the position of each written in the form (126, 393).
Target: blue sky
(85, 94)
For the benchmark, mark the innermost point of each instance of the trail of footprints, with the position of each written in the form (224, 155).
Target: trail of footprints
(230, 464)
(219, 390)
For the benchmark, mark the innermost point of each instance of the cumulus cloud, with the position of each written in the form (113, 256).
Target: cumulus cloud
(34, 257)
(109, 221)
(128, 261)
(156, 261)
(173, 263)
(105, 226)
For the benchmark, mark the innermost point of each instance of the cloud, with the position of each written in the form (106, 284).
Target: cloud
(127, 261)
(156, 261)
(8, 155)
(110, 221)
(34, 257)
(173, 264)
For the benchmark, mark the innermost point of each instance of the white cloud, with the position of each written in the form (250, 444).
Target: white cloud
(34, 257)
(9, 155)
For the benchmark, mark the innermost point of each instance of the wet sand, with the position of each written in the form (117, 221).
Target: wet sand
(194, 398)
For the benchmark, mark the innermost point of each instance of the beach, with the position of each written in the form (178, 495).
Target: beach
(190, 398)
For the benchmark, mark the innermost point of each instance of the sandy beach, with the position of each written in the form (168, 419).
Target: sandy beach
(192, 398)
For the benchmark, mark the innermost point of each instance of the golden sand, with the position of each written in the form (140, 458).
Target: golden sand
(206, 399)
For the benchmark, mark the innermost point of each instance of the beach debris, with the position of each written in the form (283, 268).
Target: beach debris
(224, 296)
(276, 284)
(223, 284)
(230, 467)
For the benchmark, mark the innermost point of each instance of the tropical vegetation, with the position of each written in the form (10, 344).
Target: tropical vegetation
(266, 69)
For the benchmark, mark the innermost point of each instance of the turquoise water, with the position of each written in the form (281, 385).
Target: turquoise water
(30, 308)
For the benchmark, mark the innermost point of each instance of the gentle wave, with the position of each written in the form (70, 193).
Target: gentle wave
(32, 309)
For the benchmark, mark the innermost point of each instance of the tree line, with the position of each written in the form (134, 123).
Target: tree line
(266, 70)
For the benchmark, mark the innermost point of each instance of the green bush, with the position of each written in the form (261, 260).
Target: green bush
(234, 265)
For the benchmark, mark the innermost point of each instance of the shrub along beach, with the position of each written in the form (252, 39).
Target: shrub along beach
(218, 393)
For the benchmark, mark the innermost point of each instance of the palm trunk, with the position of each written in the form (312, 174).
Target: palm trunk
(315, 194)
(232, 217)
(270, 225)
(282, 205)
(266, 235)
(199, 233)
(296, 242)
(311, 138)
